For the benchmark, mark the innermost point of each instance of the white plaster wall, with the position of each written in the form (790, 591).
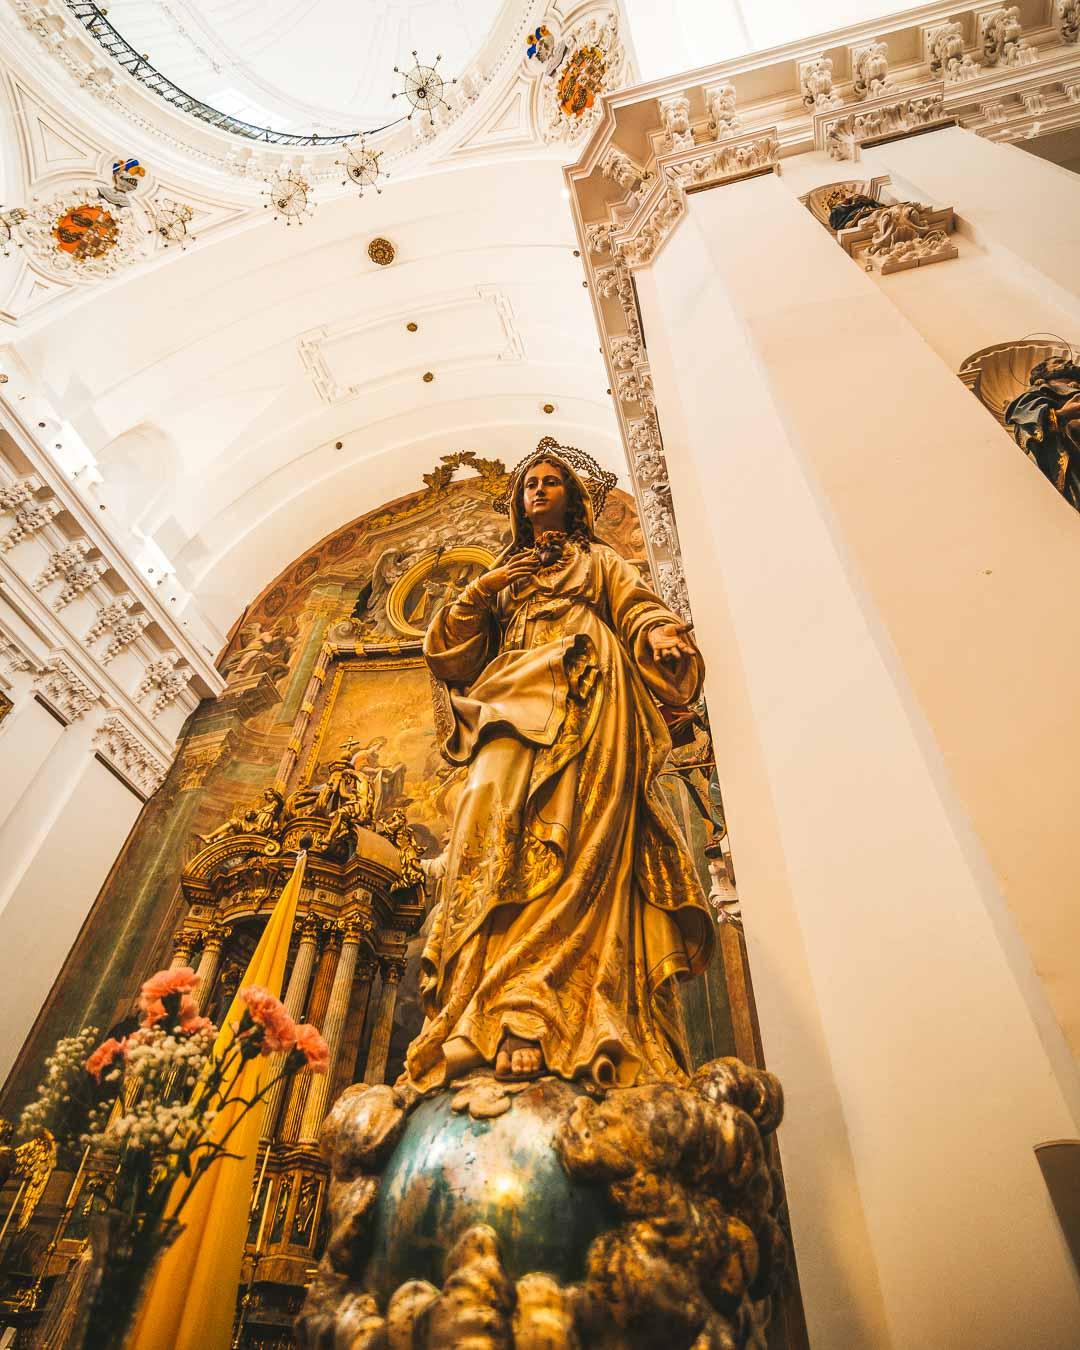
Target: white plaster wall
(832, 555)
(55, 886)
(26, 738)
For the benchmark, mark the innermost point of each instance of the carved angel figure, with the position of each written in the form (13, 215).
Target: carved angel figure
(570, 904)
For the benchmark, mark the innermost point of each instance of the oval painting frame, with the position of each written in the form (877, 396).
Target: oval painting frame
(402, 616)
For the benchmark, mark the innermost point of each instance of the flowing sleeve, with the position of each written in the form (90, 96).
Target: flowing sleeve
(634, 610)
(462, 637)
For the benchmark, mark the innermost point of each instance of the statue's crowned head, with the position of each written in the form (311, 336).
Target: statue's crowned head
(585, 482)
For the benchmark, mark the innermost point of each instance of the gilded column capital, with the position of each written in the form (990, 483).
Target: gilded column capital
(393, 968)
(367, 967)
(311, 927)
(215, 935)
(185, 940)
(354, 927)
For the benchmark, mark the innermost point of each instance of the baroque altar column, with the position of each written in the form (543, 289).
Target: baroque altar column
(867, 559)
(318, 1003)
(295, 996)
(215, 937)
(333, 1024)
(379, 1048)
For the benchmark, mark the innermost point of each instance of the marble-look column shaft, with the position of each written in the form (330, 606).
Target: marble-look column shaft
(295, 997)
(316, 1013)
(333, 1025)
(379, 1048)
(215, 938)
(869, 560)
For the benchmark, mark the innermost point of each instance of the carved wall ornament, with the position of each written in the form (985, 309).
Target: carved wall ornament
(901, 235)
(108, 616)
(720, 102)
(675, 119)
(751, 154)
(667, 210)
(1002, 40)
(162, 677)
(1068, 12)
(28, 520)
(13, 656)
(1034, 101)
(671, 580)
(70, 565)
(78, 579)
(61, 561)
(870, 69)
(116, 741)
(816, 85)
(626, 172)
(60, 685)
(20, 493)
(598, 237)
(946, 55)
(843, 135)
(73, 235)
(123, 635)
(595, 61)
(1072, 91)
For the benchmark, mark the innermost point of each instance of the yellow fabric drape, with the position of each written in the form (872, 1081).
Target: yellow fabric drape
(191, 1301)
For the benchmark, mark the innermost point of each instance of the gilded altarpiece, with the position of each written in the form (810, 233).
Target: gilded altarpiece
(324, 669)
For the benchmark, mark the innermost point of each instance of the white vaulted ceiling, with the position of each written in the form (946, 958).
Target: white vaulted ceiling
(248, 396)
(301, 64)
(213, 392)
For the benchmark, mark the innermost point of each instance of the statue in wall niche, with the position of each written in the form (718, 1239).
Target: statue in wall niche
(1045, 423)
(851, 210)
(571, 901)
(550, 1169)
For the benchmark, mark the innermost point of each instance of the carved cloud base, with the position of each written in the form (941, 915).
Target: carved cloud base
(548, 1214)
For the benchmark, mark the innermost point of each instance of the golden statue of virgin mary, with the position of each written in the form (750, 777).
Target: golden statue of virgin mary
(570, 904)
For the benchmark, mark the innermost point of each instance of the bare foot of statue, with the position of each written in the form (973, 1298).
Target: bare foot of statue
(518, 1058)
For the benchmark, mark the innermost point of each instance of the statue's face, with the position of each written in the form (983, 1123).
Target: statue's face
(545, 496)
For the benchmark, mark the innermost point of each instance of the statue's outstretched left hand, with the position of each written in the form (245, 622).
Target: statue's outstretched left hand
(669, 642)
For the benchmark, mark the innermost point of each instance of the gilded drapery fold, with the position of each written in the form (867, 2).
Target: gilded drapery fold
(570, 902)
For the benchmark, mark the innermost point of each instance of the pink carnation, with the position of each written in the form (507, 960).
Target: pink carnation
(104, 1055)
(187, 1013)
(191, 1023)
(314, 1048)
(182, 980)
(279, 1030)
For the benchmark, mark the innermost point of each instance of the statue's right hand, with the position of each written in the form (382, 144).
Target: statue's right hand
(498, 578)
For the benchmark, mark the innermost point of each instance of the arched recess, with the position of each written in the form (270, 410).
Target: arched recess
(236, 745)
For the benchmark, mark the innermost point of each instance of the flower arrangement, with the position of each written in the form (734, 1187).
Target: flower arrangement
(150, 1101)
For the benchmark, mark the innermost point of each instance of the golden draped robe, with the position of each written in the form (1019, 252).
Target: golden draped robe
(570, 903)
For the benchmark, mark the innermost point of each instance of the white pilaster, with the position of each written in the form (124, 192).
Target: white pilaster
(863, 548)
